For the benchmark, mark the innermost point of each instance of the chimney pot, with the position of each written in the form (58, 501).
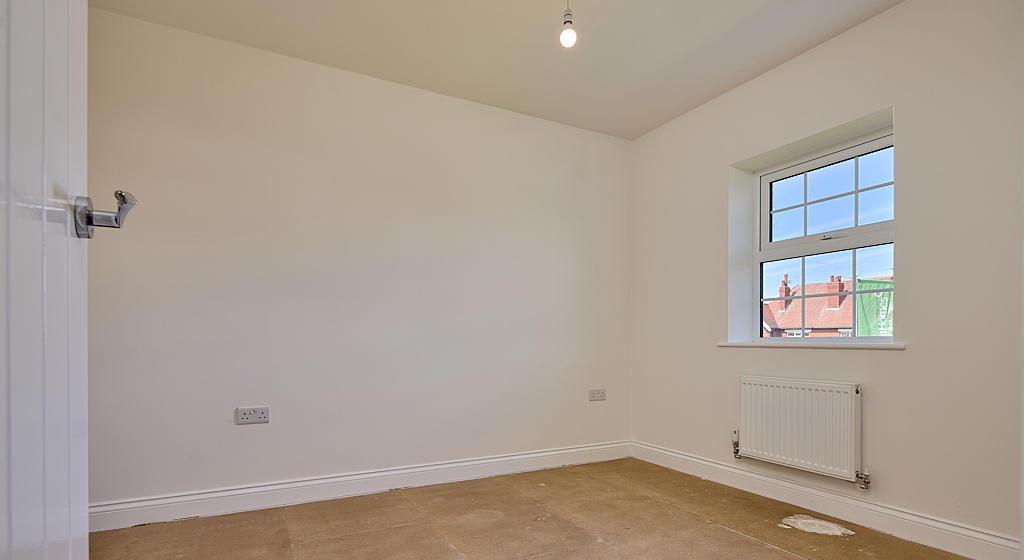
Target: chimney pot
(835, 285)
(784, 291)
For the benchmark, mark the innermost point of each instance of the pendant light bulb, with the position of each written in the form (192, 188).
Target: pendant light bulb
(568, 36)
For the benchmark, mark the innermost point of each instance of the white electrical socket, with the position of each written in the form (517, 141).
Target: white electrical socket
(252, 415)
(596, 395)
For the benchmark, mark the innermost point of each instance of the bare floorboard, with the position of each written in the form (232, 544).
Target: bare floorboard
(624, 509)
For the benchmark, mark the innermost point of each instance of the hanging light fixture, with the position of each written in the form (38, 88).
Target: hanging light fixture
(568, 36)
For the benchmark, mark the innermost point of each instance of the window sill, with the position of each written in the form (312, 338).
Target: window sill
(818, 345)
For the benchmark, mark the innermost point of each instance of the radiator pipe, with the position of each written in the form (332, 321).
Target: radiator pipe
(865, 480)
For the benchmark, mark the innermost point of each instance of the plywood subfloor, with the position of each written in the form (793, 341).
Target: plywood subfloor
(624, 509)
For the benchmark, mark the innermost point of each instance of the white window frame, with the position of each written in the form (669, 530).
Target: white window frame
(857, 237)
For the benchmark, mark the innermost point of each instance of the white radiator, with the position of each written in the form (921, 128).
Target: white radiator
(809, 425)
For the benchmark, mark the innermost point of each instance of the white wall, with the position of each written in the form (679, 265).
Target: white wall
(942, 418)
(403, 277)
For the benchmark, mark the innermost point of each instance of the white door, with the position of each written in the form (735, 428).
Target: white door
(43, 398)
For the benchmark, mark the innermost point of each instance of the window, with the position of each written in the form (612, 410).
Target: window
(825, 248)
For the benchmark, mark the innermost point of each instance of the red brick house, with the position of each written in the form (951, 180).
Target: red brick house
(825, 315)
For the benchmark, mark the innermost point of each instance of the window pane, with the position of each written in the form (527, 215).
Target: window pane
(788, 192)
(781, 318)
(830, 180)
(875, 168)
(788, 224)
(875, 206)
(828, 273)
(781, 278)
(830, 215)
(874, 313)
(874, 263)
(828, 316)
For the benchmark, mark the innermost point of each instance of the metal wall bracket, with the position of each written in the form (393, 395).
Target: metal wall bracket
(87, 219)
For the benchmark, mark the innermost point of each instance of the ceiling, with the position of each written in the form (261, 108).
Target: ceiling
(637, 65)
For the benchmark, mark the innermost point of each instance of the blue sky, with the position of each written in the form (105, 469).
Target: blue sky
(838, 213)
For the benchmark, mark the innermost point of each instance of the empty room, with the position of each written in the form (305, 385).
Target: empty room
(511, 279)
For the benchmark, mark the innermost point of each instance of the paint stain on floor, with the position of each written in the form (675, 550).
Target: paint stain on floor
(810, 524)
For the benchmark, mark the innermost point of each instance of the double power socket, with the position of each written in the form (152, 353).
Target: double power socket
(252, 415)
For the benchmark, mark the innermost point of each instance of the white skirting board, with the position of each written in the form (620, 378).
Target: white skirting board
(947, 535)
(938, 533)
(126, 513)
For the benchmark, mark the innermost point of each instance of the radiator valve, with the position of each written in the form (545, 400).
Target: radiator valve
(736, 444)
(865, 480)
